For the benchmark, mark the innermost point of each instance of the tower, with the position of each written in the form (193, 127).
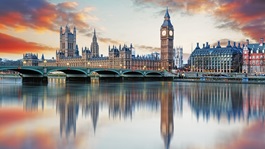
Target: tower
(67, 42)
(246, 60)
(167, 37)
(94, 46)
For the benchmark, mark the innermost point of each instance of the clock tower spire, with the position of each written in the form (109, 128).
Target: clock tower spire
(167, 38)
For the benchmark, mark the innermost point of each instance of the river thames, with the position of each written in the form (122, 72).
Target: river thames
(143, 115)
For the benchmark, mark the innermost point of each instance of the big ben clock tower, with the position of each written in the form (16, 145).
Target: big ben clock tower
(167, 37)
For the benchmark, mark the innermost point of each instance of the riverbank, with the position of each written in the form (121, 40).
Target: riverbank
(238, 80)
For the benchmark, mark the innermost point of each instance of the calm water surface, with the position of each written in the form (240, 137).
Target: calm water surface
(147, 115)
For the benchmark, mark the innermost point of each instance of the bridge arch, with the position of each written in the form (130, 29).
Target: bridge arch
(24, 70)
(130, 72)
(153, 73)
(106, 72)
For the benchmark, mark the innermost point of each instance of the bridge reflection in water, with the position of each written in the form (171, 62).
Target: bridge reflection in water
(232, 102)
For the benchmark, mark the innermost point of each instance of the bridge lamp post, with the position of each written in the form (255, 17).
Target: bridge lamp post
(45, 62)
(67, 65)
(144, 67)
(120, 66)
(24, 63)
(88, 64)
(45, 69)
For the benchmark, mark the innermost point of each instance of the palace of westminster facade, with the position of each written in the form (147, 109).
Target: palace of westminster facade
(120, 57)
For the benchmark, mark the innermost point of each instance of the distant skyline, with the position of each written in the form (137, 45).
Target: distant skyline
(32, 26)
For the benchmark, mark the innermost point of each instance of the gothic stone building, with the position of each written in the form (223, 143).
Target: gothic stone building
(119, 58)
(253, 57)
(216, 59)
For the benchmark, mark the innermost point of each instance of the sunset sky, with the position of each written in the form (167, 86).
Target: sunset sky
(33, 25)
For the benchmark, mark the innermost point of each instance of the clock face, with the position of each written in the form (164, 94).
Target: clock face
(171, 33)
(164, 33)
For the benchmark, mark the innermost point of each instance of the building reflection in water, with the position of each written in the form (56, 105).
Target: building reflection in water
(68, 108)
(167, 122)
(90, 105)
(234, 102)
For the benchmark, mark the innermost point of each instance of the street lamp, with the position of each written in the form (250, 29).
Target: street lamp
(120, 66)
(144, 67)
(88, 64)
(67, 65)
(24, 63)
(45, 62)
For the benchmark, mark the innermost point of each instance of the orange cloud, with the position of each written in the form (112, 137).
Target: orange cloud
(244, 15)
(147, 48)
(110, 41)
(10, 44)
(43, 15)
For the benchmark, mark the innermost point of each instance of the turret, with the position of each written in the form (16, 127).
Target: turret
(218, 45)
(228, 44)
(198, 46)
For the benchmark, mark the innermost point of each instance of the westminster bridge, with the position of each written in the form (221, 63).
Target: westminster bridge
(39, 74)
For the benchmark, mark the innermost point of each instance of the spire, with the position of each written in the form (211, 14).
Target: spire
(167, 16)
(94, 36)
(167, 22)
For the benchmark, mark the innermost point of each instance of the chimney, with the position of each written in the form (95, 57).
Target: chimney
(234, 44)
(203, 46)
(247, 42)
(261, 42)
(207, 44)
(198, 46)
(228, 44)
(218, 44)
(239, 46)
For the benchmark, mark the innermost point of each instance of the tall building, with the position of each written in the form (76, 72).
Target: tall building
(30, 59)
(254, 57)
(167, 38)
(94, 46)
(121, 57)
(67, 42)
(216, 59)
(178, 57)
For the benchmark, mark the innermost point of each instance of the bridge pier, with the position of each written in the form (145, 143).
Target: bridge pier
(35, 80)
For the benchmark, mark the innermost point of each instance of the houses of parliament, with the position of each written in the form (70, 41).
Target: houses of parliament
(121, 57)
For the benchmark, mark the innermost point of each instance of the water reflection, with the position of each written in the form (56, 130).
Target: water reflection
(233, 101)
(167, 123)
(209, 102)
